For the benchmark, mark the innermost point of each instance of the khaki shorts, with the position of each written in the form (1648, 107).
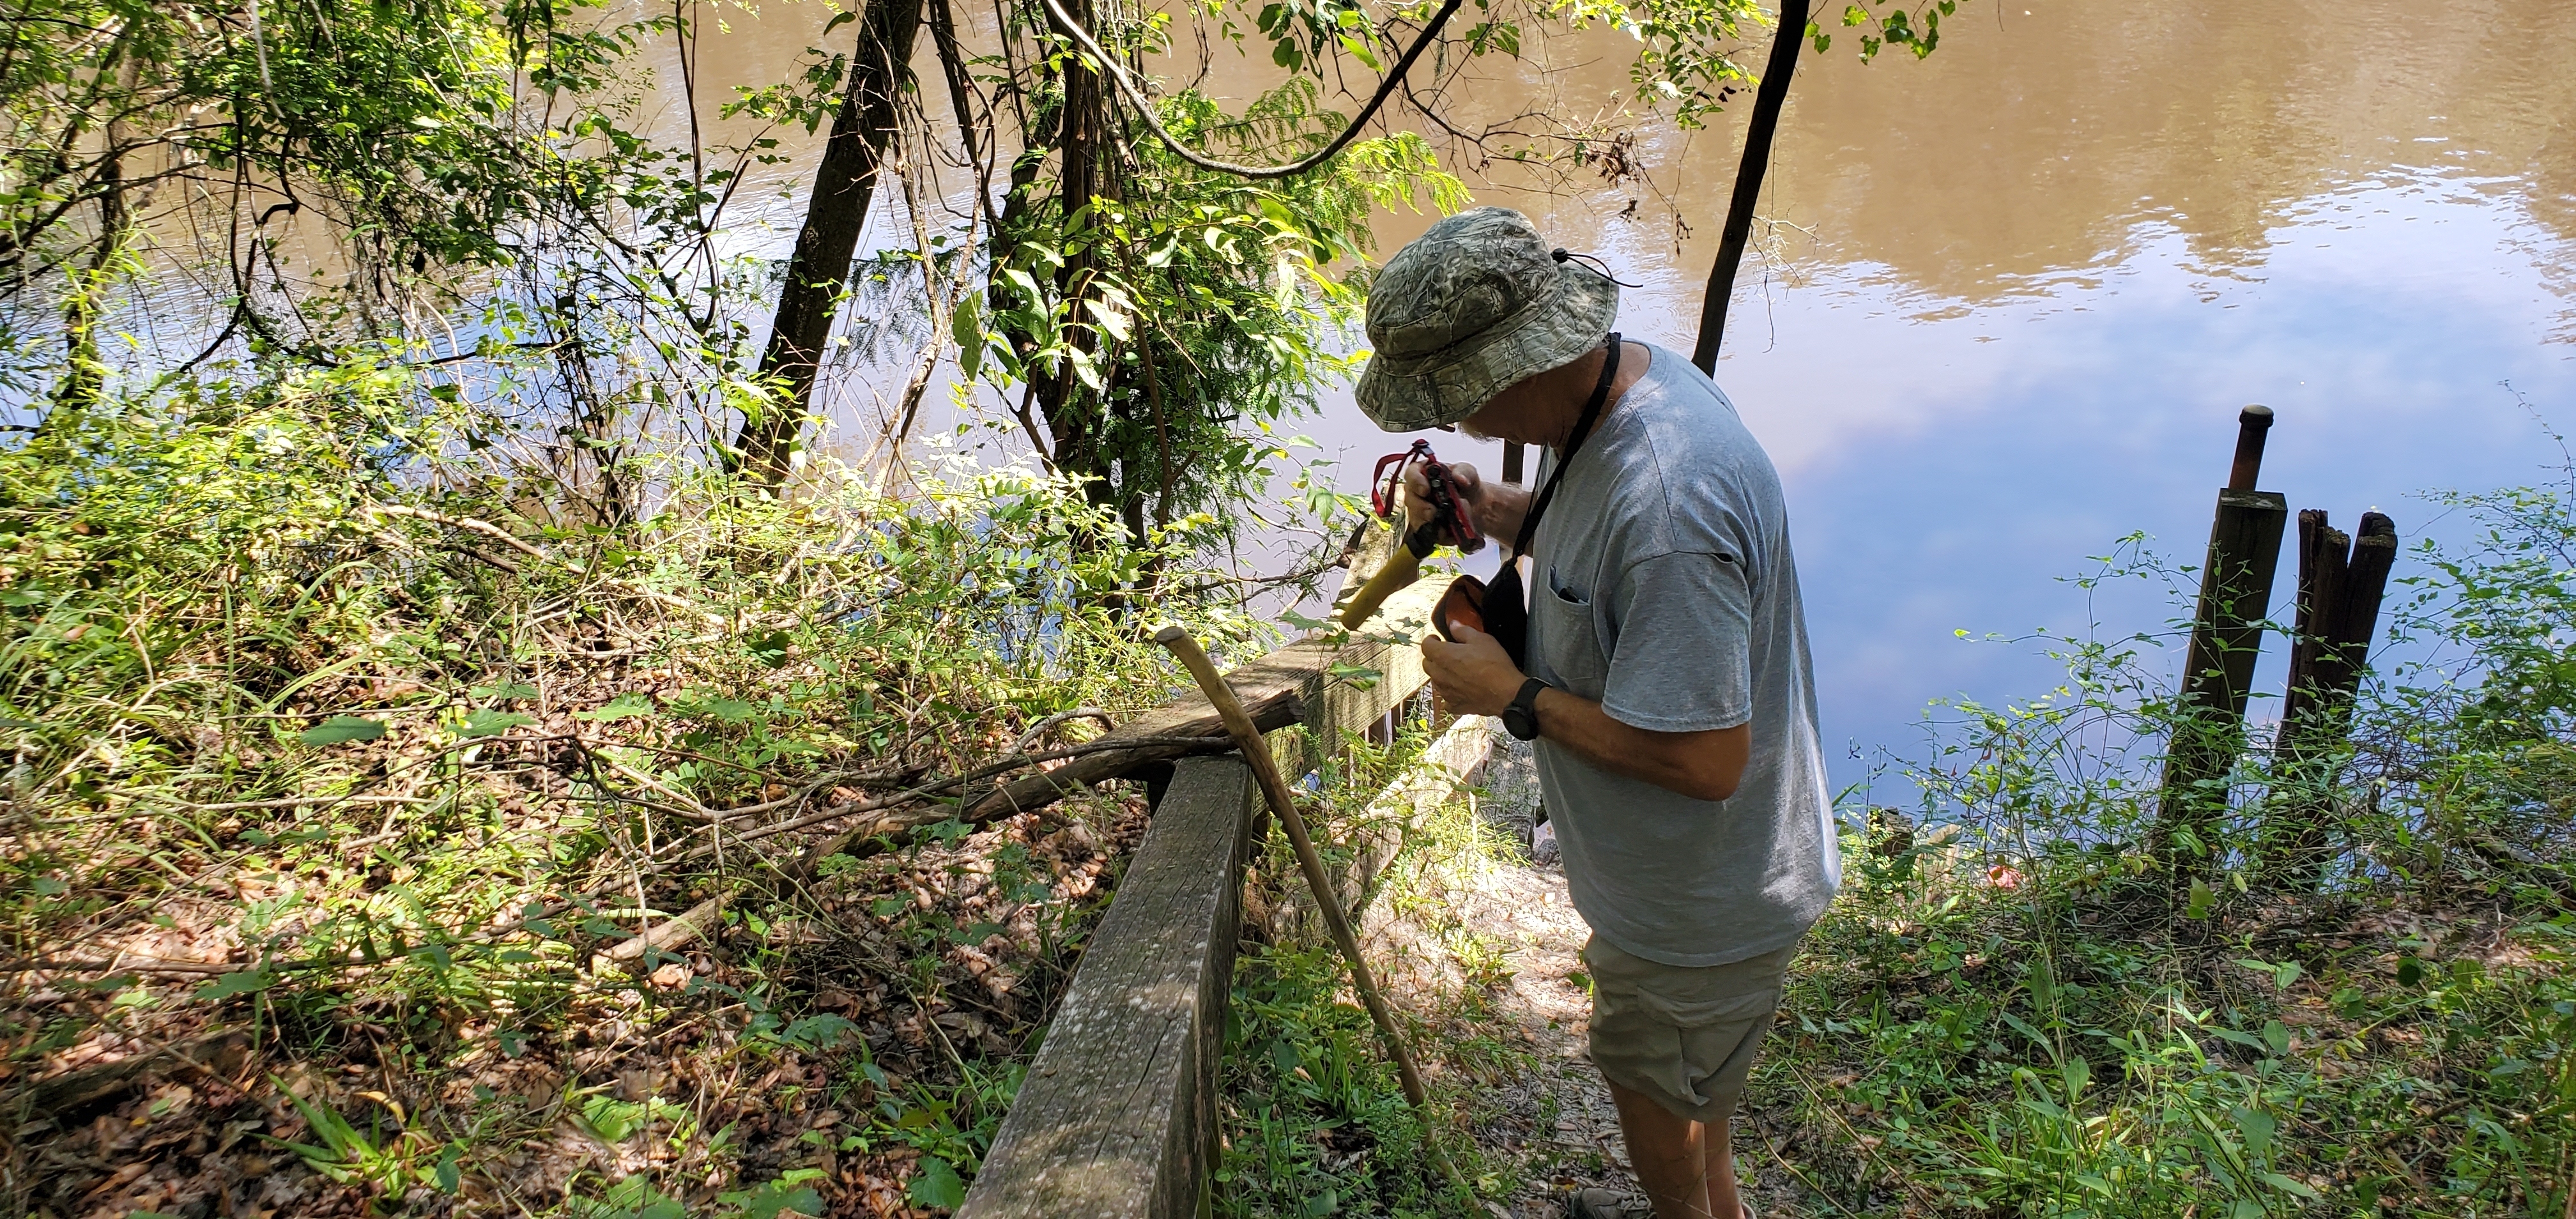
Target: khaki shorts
(1682, 1035)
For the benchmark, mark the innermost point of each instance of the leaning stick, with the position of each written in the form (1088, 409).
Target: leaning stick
(1256, 753)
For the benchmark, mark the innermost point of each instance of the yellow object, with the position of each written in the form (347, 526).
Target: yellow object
(1402, 568)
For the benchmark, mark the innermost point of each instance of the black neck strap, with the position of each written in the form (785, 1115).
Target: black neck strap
(1565, 456)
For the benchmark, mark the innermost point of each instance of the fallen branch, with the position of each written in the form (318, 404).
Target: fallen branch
(470, 525)
(163, 966)
(674, 933)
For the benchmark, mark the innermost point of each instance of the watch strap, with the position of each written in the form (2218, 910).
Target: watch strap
(1526, 702)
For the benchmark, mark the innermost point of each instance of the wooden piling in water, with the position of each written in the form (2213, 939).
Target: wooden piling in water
(2342, 581)
(2226, 637)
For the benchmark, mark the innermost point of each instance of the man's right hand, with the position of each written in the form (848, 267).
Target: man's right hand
(1496, 509)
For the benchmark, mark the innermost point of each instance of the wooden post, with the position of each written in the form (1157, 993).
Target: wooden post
(2226, 637)
(2341, 583)
(1512, 464)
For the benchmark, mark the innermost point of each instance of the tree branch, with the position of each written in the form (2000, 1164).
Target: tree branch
(1767, 101)
(1154, 122)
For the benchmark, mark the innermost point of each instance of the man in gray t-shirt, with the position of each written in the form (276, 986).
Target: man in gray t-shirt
(1665, 676)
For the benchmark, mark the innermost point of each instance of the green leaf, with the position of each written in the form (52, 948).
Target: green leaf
(768, 647)
(487, 722)
(2410, 972)
(245, 983)
(1359, 50)
(1110, 319)
(2276, 1036)
(2259, 1127)
(2203, 898)
(777, 1198)
(340, 729)
(730, 710)
(966, 326)
(2289, 1185)
(2024, 1028)
(937, 1185)
(1086, 369)
(624, 706)
(1361, 677)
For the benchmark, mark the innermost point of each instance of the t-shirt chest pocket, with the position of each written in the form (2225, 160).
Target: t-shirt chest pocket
(1569, 641)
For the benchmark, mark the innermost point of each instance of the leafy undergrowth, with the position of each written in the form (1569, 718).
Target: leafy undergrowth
(2051, 1039)
(338, 806)
(1313, 1117)
(853, 1048)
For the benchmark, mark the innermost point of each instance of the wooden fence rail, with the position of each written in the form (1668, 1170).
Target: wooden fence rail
(1117, 1116)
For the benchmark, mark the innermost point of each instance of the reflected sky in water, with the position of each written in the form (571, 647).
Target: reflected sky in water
(2008, 300)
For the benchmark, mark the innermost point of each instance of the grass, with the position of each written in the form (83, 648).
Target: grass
(1313, 1119)
(2062, 1047)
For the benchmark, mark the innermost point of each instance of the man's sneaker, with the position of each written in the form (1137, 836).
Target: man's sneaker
(1602, 1204)
(1609, 1204)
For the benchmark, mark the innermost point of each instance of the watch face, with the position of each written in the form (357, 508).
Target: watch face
(1519, 722)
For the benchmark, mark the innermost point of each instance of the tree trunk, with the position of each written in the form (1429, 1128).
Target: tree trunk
(1075, 417)
(1731, 240)
(818, 273)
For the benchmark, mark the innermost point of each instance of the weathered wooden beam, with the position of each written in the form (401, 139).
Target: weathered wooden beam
(1117, 1117)
(1317, 682)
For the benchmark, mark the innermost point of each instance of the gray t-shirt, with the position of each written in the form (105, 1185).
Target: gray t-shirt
(1661, 585)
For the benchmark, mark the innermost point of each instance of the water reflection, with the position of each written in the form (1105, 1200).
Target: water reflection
(2012, 296)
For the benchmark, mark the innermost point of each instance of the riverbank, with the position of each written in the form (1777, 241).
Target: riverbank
(380, 850)
(2047, 1040)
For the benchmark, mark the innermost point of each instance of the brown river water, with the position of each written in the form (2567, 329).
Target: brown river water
(2011, 297)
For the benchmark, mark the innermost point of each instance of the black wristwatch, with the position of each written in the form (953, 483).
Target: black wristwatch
(1521, 718)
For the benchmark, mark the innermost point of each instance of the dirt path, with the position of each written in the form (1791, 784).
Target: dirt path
(1555, 1119)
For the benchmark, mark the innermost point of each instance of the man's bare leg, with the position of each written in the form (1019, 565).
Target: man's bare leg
(1665, 1149)
(1717, 1153)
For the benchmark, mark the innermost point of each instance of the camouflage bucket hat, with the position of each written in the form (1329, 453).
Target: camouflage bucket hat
(1473, 306)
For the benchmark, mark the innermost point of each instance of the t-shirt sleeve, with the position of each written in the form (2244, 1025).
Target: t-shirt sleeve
(1685, 655)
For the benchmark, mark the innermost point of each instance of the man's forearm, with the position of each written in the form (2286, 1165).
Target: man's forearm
(1702, 765)
(1499, 512)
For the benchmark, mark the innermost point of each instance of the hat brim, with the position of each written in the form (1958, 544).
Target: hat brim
(1445, 386)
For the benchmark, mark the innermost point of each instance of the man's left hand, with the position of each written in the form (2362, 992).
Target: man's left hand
(1475, 676)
